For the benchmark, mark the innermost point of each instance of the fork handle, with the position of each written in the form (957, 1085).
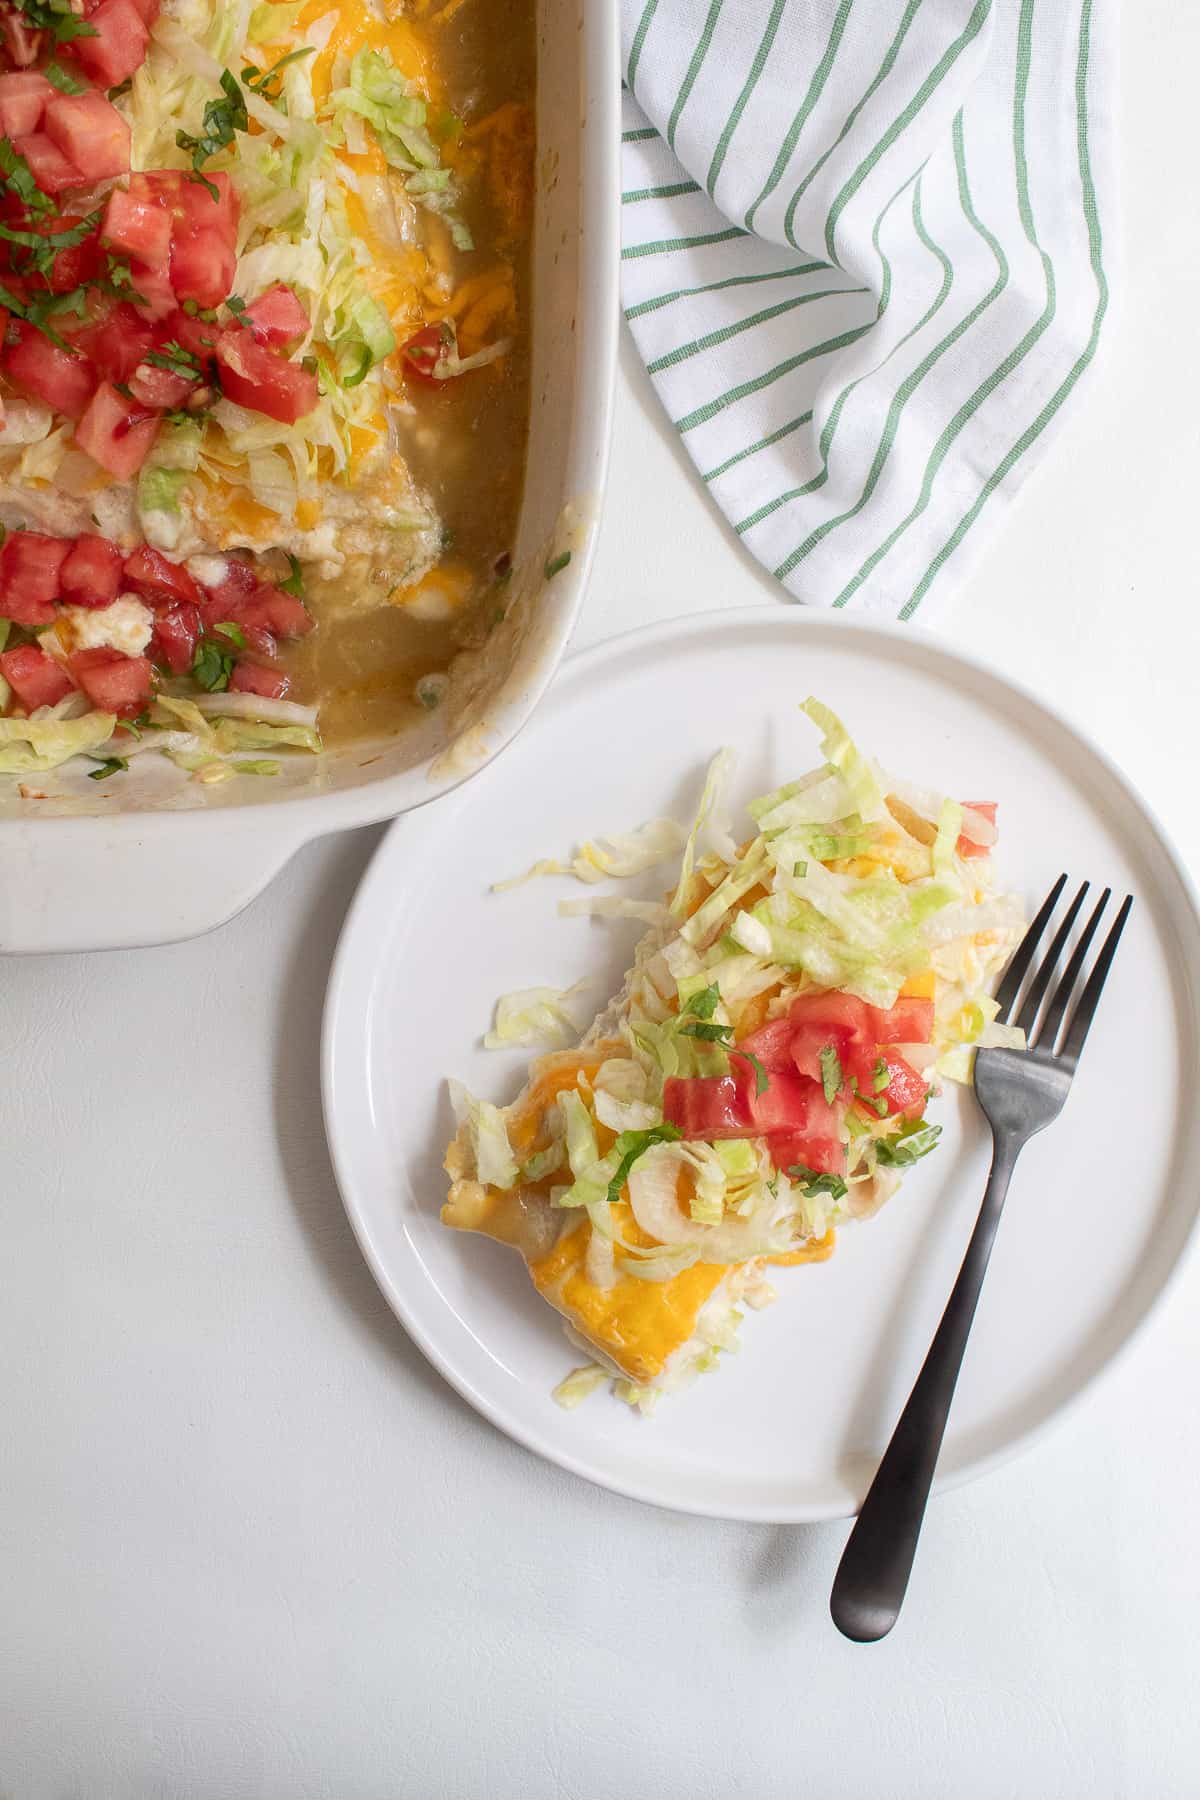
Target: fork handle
(872, 1576)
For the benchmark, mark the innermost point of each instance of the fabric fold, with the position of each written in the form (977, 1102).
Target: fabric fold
(866, 262)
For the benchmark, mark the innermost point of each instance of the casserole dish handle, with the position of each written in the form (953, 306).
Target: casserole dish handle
(98, 884)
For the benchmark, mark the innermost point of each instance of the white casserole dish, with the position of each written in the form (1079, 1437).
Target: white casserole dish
(148, 860)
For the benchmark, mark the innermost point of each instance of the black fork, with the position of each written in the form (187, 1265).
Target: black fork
(1021, 1092)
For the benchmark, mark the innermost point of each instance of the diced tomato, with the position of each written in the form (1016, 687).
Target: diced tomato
(796, 1150)
(90, 132)
(117, 433)
(53, 172)
(58, 377)
(229, 607)
(161, 185)
(237, 584)
(258, 378)
(707, 1106)
(425, 351)
(196, 210)
(112, 682)
(195, 335)
(249, 678)
(73, 267)
(772, 1045)
(22, 44)
(265, 611)
(159, 580)
(809, 1041)
(966, 847)
(23, 97)
(35, 678)
(119, 47)
(137, 223)
(906, 1089)
(276, 317)
(259, 640)
(283, 615)
(147, 9)
(152, 285)
(836, 1019)
(203, 264)
(117, 344)
(908, 1022)
(792, 1103)
(176, 634)
(30, 565)
(91, 574)
(63, 379)
(160, 387)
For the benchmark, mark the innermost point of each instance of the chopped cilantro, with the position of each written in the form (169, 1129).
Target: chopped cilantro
(813, 1183)
(57, 76)
(16, 178)
(295, 581)
(910, 1143)
(707, 1032)
(762, 1080)
(632, 1144)
(222, 119)
(212, 666)
(62, 23)
(556, 565)
(233, 632)
(259, 81)
(109, 765)
(881, 1076)
(704, 1004)
(831, 1074)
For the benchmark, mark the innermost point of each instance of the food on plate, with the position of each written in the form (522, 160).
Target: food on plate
(764, 1075)
(263, 367)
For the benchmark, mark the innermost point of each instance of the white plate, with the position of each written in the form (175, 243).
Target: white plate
(1102, 1203)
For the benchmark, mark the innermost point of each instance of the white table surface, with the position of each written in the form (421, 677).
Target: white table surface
(250, 1545)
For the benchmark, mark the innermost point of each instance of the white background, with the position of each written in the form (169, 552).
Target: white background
(250, 1545)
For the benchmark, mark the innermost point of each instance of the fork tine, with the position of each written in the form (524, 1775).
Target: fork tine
(1056, 1012)
(1027, 1017)
(1014, 975)
(1081, 1018)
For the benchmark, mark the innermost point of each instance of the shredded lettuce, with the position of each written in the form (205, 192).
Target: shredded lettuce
(615, 856)
(241, 734)
(273, 20)
(31, 746)
(495, 1163)
(613, 906)
(949, 826)
(576, 1386)
(592, 1172)
(535, 1017)
(712, 804)
(745, 874)
(839, 749)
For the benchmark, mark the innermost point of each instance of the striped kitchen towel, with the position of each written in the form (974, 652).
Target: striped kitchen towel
(866, 261)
